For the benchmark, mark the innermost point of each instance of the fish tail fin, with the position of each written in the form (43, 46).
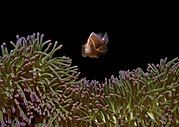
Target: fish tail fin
(106, 38)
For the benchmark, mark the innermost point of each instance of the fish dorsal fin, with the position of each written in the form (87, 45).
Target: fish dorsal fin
(95, 38)
(100, 35)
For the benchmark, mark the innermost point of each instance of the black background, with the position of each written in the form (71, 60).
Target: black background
(136, 38)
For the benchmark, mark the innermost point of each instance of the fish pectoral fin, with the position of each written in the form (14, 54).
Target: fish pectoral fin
(102, 49)
(83, 51)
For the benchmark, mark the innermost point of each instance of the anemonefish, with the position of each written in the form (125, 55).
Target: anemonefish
(95, 46)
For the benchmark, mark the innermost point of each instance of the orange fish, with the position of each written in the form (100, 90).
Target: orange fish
(95, 46)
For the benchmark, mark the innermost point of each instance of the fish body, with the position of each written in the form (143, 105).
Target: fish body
(95, 46)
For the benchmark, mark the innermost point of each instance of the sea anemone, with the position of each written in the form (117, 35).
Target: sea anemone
(33, 83)
(38, 89)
